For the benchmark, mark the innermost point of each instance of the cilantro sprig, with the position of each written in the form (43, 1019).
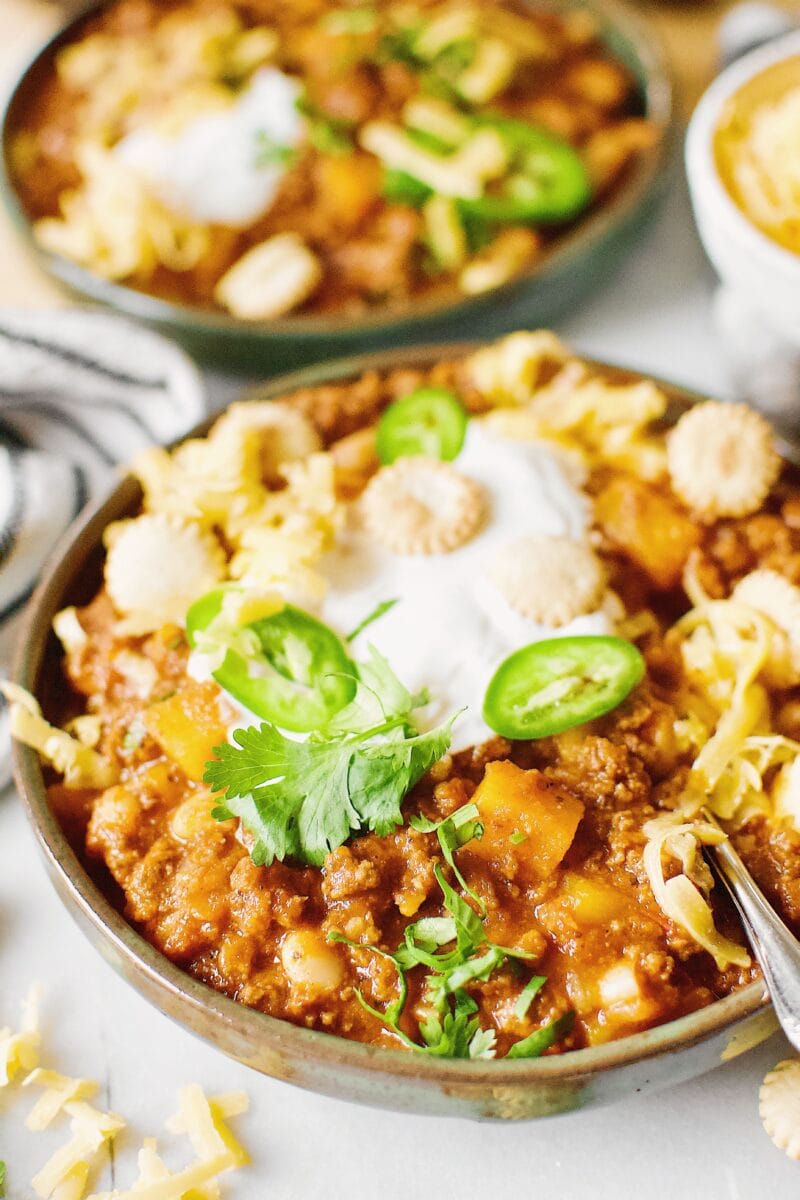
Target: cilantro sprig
(303, 799)
(456, 952)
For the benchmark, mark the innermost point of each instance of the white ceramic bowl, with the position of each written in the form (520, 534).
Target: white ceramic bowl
(750, 264)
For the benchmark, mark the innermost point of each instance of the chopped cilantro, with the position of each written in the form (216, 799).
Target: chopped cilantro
(526, 997)
(329, 137)
(542, 1039)
(456, 952)
(2, 1179)
(397, 46)
(454, 832)
(378, 611)
(270, 153)
(302, 799)
(326, 134)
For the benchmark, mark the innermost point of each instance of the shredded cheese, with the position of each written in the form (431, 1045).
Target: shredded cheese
(756, 151)
(508, 371)
(459, 174)
(276, 537)
(73, 1185)
(563, 402)
(741, 768)
(20, 1051)
(91, 1131)
(681, 899)
(204, 1121)
(174, 1186)
(724, 646)
(81, 766)
(87, 728)
(113, 225)
(60, 1090)
(64, 1177)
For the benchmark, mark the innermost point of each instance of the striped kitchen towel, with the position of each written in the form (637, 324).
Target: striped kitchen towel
(80, 392)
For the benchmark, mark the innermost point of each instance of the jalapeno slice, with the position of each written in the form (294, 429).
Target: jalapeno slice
(429, 421)
(551, 686)
(302, 675)
(546, 181)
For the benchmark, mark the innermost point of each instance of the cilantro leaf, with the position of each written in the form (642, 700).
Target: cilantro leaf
(380, 697)
(302, 799)
(382, 774)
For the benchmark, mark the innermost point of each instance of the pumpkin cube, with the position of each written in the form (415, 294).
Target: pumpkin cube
(187, 726)
(529, 821)
(648, 527)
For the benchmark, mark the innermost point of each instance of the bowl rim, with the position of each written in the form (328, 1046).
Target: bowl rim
(701, 168)
(73, 882)
(614, 17)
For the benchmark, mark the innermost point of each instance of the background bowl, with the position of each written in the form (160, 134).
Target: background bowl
(580, 260)
(764, 274)
(321, 1062)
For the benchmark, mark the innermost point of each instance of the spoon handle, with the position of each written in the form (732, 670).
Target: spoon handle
(777, 950)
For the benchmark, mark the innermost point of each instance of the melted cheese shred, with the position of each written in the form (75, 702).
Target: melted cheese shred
(680, 897)
(80, 765)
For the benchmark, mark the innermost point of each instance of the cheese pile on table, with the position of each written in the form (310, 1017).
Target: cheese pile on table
(66, 1174)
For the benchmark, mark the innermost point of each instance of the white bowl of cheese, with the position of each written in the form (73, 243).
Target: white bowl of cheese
(743, 167)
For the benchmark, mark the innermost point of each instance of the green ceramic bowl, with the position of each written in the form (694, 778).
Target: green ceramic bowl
(504, 1090)
(579, 261)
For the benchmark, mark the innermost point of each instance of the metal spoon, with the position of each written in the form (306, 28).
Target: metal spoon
(777, 950)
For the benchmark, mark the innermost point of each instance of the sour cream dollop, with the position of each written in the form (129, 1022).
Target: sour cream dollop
(210, 171)
(451, 628)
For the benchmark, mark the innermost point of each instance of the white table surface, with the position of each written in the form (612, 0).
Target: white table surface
(703, 1139)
